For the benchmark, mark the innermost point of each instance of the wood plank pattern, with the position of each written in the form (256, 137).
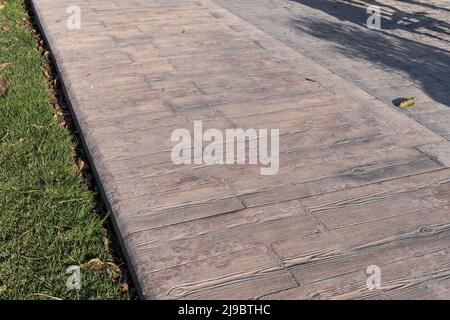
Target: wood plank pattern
(405, 59)
(359, 183)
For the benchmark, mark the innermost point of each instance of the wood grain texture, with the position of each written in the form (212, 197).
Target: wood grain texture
(359, 182)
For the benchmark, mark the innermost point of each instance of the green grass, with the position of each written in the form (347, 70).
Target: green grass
(47, 216)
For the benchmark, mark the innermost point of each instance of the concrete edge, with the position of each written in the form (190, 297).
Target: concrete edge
(119, 237)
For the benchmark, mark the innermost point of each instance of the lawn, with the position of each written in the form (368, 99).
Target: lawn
(48, 219)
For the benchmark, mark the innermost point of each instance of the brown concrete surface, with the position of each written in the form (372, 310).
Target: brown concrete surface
(360, 183)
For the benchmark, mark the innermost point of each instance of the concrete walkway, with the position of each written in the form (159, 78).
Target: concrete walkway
(409, 56)
(359, 183)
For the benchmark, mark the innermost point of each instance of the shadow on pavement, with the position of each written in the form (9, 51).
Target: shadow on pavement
(428, 65)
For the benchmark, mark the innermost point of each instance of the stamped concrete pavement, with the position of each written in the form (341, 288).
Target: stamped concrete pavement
(408, 57)
(359, 184)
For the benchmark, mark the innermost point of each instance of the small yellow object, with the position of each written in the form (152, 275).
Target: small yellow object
(407, 103)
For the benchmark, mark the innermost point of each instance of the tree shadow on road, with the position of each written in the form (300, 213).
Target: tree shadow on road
(426, 64)
(417, 22)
